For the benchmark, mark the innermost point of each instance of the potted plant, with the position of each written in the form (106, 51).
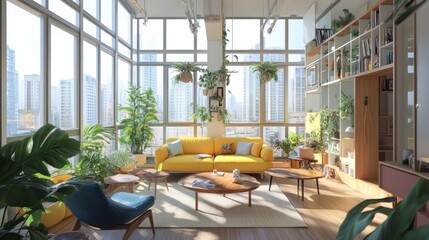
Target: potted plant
(346, 62)
(24, 180)
(202, 114)
(288, 145)
(266, 70)
(346, 108)
(223, 115)
(208, 81)
(122, 160)
(185, 70)
(137, 124)
(342, 21)
(329, 124)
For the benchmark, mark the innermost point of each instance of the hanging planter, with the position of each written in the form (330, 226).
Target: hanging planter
(185, 71)
(267, 71)
(208, 81)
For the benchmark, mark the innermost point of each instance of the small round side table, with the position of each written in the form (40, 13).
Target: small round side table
(153, 174)
(117, 180)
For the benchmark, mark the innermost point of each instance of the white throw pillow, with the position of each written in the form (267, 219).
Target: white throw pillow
(243, 148)
(175, 148)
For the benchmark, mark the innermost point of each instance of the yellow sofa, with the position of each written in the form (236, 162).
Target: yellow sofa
(259, 160)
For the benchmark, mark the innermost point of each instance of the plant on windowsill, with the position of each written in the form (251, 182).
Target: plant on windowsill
(266, 70)
(137, 124)
(201, 114)
(25, 180)
(184, 71)
(208, 81)
(287, 145)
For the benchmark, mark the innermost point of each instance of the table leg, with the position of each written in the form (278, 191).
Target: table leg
(165, 181)
(317, 184)
(297, 187)
(130, 187)
(302, 189)
(156, 183)
(271, 180)
(250, 198)
(196, 201)
(149, 181)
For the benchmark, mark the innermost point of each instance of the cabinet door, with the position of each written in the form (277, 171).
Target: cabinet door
(422, 69)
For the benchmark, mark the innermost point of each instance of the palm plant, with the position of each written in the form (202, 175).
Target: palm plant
(25, 179)
(141, 114)
(266, 70)
(185, 71)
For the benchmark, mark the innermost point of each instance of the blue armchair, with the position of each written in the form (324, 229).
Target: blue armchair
(120, 210)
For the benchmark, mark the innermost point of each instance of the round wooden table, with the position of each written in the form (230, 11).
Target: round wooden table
(118, 180)
(152, 174)
(206, 182)
(299, 174)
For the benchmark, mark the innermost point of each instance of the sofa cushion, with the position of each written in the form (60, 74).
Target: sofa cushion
(218, 142)
(256, 149)
(227, 148)
(228, 163)
(187, 163)
(196, 145)
(175, 148)
(243, 148)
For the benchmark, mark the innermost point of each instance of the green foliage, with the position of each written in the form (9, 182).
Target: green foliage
(266, 70)
(355, 52)
(202, 114)
(289, 144)
(184, 67)
(346, 106)
(399, 222)
(346, 62)
(208, 79)
(314, 140)
(329, 124)
(24, 179)
(342, 21)
(141, 114)
(94, 138)
(120, 158)
(223, 115)
(403, 9)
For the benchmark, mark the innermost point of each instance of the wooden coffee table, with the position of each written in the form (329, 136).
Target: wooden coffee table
(299, 174)
(219, 184)
(152, 174)
(117, 180)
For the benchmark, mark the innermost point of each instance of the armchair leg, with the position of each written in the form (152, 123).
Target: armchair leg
(132, 226)
(76, 225)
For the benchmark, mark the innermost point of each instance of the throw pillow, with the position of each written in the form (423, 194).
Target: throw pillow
(175, 148)
(243, 148)
(226, 149)
(256, 149)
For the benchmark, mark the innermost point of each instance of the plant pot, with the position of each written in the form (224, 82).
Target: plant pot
(186, 77)
(130, 167)
(140, 159)
(325, 158)
(205, 92)
(210, 92)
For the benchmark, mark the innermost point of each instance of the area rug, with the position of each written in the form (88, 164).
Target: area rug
(176, 208)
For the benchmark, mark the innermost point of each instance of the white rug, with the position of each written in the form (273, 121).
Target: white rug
(176, 208)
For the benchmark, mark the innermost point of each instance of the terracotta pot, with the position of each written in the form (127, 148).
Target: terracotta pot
(140, 159)
(210, 92)
(205, 92)
(186, 77)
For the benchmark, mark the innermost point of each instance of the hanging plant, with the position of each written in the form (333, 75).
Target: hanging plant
(185, 71)
(266, 70)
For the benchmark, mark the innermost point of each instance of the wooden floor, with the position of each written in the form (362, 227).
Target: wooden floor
(323, 214)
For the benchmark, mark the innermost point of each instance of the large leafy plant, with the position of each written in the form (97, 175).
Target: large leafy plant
(141, 114)
(266, 70)
(202, 114)
(25, 179)
(399, 222)
(288, 145)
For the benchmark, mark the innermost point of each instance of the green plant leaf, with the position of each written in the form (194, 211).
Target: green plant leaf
(421, 232)
(6, 235)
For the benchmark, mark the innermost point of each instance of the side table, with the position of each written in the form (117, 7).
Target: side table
(118, 180)
(152, 174)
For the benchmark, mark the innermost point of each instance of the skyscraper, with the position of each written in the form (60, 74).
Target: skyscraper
(67, 104)
(31, 116)
(11, 94)
(90, 102)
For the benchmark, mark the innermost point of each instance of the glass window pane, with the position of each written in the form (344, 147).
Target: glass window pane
(179, 132)
(179, 36)
(152, 35)
(107, 13)
(25, 85)
(151, 57)
(275, 40)
(90, 6)
(90, 85)
(65, 11)
(296, 94)
(124, 78)
(107, 39)
(202, 36)
(153, 77)
(63, 79)
(275, 57)
(180, 57)
(201, 57)
(157, 141)
(296, 58)
(135, 34)
(90, 28)
(246, 57)
(243, 34)
(242, 132)
(180, 97)
(296, 31)
(275, 99)
(106, 90)
(124, 50)
(124, 23)
(243, 95)
(272, 134)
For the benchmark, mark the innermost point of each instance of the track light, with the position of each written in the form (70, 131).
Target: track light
(192, 17)
(269, 15)
(270, 29)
